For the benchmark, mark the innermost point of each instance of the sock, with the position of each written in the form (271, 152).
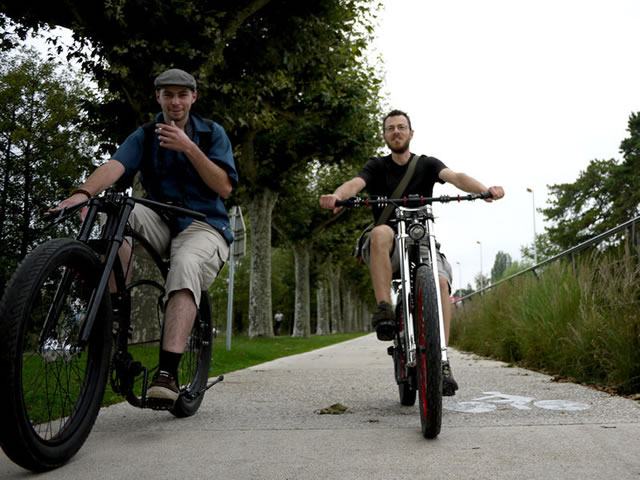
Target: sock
(169, 362)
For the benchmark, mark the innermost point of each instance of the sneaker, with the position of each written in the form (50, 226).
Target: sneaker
(163, 391)
(383, 320)
(449, 385)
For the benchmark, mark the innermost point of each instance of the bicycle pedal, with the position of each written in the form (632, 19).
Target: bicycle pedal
(390, 350)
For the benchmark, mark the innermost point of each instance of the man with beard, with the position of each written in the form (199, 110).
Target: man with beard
(380, 176)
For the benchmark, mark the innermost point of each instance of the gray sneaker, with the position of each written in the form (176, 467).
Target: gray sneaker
(383, 320)
(163, 391)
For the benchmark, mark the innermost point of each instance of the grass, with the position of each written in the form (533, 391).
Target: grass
(580, 321)
(244, 353)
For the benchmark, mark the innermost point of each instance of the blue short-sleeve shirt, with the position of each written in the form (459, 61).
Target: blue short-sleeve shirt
(174, 179)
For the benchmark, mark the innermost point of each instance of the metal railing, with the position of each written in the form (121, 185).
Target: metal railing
(630, 225)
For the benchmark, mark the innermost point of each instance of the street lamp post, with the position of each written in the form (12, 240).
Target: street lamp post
(535, 246)
(459, 276)
(481, 274)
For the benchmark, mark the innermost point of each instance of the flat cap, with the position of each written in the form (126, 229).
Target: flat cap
(175, 78)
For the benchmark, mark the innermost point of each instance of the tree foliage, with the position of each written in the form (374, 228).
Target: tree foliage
(287, 79)
(501, 264)
(44, 147)
(603, 196)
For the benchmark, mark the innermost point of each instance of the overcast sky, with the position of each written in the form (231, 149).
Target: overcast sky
(517, 93)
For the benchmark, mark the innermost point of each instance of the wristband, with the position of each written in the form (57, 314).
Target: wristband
(83, 191)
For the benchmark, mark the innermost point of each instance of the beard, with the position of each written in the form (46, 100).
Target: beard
(401, 148)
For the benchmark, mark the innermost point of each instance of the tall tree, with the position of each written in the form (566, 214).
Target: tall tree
(44, 147)
(604, 195)
(500, 265)
(298, 106)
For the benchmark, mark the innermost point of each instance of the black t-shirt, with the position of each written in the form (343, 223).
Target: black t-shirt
(382, 175)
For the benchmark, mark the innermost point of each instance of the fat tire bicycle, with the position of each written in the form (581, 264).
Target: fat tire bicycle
(59, 324)
(419, 350)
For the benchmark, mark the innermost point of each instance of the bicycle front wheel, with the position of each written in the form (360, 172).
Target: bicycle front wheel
(194, 367)
(52, 385)
(428, 353)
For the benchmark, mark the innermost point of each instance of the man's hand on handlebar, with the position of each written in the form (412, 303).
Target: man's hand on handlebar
(496, 194)
(329, 202)
(73, 200)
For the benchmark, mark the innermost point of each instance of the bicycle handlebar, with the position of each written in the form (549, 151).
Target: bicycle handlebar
(58, 216)
(410, 201)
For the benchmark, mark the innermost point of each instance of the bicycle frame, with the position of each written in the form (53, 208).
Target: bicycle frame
(415, 212)
(420, 216)
(117, 206)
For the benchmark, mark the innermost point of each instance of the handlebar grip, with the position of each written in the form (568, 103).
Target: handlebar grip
(349, 202)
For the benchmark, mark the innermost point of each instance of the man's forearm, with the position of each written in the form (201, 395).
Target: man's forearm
(350, 188)
(214, 176)
(103, 177)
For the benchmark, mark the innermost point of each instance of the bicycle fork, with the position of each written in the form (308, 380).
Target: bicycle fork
(436, 280)
(405, 289)
(405, 279)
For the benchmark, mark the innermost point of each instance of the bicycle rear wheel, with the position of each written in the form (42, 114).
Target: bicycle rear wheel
(428, 353)
(405, 377)
(52, 385)
(193, 370)
(145, 339)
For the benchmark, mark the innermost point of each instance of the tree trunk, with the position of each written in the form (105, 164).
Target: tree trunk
(334, 289)
(322, 327)
(365, 314)
(347, 311)
(26, 202)
(4, 195)
(302, 312)
(260, 208)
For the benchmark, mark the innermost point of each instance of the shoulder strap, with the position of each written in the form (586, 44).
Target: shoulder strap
(386, 213)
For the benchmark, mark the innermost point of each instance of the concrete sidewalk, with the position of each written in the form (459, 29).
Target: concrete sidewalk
(263, 423)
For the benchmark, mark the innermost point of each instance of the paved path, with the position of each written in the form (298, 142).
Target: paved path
(262, 423)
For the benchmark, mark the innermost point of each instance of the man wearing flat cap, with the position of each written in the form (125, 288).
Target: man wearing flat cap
(186, 160)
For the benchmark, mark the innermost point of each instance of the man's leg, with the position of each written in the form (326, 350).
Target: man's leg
(197, 255)
(178, 321)
(449, 385)
(446, 306)
(381, 245)
(179, 318)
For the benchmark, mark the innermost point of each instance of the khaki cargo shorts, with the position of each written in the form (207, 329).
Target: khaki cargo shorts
(444, 269)
(196, 254)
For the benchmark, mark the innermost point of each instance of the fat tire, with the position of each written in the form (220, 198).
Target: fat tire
(195, 363)
(46, 440)
(428, 352)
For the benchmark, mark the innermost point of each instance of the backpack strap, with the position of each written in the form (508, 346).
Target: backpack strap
(402, 186)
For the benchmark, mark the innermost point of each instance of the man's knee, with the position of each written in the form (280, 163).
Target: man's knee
(381, 237)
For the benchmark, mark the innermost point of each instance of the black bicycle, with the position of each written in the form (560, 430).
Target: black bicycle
(419, 349)
(59, 324)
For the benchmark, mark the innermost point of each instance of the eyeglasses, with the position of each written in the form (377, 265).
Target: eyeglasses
(391, 128)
